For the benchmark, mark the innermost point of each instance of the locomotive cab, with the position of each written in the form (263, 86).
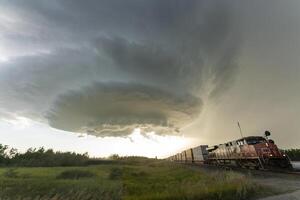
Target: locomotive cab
(271, 141)
(268, 153)
(252, 140)
(252, 152)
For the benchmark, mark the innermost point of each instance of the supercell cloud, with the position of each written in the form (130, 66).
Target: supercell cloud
(107, 67)
(115, 109)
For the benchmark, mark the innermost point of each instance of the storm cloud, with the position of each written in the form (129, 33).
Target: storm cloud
(107, 67)
(115, 109)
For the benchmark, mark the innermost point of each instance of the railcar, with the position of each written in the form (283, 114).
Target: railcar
(183, 157)
(200, 154)
(189, 156)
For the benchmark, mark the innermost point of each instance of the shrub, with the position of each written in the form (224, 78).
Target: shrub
(115, 173)
(114, 157)
(75, 174)
(48, 158)
(138, 174)
(11, 173)
(294, 154)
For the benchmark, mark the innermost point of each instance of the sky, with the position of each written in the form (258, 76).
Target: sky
(147, 78)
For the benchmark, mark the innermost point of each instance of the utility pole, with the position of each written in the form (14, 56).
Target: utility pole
(240, 129)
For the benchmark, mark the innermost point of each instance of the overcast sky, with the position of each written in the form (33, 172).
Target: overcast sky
(137, 74)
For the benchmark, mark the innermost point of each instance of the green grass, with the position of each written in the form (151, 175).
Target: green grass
(75, 174)
(43, 183)
(147, 179)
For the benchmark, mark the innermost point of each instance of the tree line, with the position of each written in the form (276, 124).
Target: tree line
(40, 157)
(294, 154)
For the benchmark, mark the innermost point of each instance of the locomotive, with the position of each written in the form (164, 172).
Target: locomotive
(254, 152)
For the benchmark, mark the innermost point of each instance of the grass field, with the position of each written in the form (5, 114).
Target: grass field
(133, 179)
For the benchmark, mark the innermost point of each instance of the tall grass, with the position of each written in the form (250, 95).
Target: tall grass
(75, 174)
(178, 182)
(128, 180)
(60, 183)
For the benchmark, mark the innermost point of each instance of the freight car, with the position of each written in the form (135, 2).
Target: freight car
(248, 152)
(200, 154)
(193, 155)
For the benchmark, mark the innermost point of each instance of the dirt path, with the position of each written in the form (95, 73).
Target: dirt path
(296, 165)
(290, 196)
(287, 184)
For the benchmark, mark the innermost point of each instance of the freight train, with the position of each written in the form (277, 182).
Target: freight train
(254, 152)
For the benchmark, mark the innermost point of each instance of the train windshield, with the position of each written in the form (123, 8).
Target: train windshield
(255, 140)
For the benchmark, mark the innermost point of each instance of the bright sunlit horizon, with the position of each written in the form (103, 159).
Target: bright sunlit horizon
(23, 133)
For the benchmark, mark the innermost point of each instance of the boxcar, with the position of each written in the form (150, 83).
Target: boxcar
(200, 153)
(189, 155)
(183, 156)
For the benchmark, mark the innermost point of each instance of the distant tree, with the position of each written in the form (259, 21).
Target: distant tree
(3, 154)
(13, 152)
(294, 154)
(3, 149)
(114, 157)
(40, 157)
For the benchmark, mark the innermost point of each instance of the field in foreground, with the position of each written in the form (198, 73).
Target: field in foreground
(131, 179)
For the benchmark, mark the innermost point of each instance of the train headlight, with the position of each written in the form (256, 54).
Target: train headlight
(267, 144)
(284, 155)
(271, 155)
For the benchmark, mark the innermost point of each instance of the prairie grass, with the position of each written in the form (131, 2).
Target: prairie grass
(75, 174)
(172, 181)
(128, 180)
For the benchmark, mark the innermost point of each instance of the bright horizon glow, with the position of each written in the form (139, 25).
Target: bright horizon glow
(3, 59)
(23, 133)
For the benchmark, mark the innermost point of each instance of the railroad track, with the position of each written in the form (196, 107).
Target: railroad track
(295, 173)
(271, 172)
(278, 171)
(244, 170)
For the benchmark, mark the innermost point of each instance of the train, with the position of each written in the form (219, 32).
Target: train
(254, 152)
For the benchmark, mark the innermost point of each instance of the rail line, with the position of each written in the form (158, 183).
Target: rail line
(244, 170)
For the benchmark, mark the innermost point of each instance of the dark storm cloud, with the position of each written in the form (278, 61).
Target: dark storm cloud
(185, 49)
(29, 84)
(147, 63)
(165, 56)
(115, 109)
